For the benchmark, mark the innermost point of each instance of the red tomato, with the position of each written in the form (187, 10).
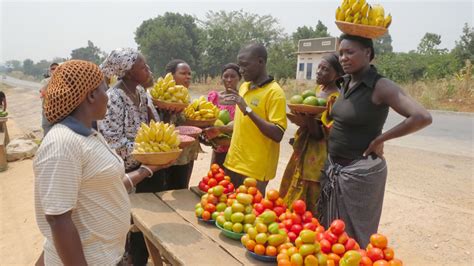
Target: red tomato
(221, 171)
(336, 258)
(299, 206)
(365, 261)
(379, 241)
(227, 178)
(381, 263)
(205, 179)
(325, 246)
(202, 186)
(210, 208)
(362, 252)
(206, 215)
(281, 225)
(210, 174)
(267, 204)
(316, 222)
(230, 187)
(310, 226)
(257, 198)
(388, 253)
(212, 182)
(279, 210)
(212, 199)
(307, 217)
(350, 244)
(224, 183)
(219, 177)
(288, 224)
(296, 228)
(280, 202)
(226, 190)
(320, 229)
(259, 207)
(337, 227)
(296, 218)
(320, 236)
(330, 237)
(292, 236)
(375, 254)
(338, 249)
(343, 238)
(273, 195)
(206, 188)
(252, 191)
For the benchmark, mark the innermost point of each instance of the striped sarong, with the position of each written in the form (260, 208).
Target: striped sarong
(354, 193)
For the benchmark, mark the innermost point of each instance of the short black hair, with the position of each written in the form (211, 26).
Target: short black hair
(232, 66)
(173, 65)
(365, 42)
(256, 49)
(54, 64)
(333, 60)
(2, 95)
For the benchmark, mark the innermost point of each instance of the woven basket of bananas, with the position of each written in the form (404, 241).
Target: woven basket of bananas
(157, 158)
(201, 113)
(167, 95)
(175, 107)
(356, 17)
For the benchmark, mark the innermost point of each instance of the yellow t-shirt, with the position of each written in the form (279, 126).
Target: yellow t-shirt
(251, 153)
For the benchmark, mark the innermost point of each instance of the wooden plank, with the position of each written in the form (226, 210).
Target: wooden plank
(177, 240)
(154, 253)
(183, 202)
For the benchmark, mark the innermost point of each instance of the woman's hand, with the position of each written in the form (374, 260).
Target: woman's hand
(376, 146)
(155, 168)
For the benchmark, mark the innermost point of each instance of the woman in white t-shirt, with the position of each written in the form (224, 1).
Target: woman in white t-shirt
(81, 201)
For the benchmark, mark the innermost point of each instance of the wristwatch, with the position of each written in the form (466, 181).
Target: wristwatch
(248, 110)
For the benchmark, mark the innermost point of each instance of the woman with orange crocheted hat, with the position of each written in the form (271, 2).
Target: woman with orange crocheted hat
(80, 182)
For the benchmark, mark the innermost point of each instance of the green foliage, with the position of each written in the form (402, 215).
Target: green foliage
(464, 48)
(306, 32)
(282, 59)
(167, 37)
(429, 43)
(89, 53)
(226, 32)
(13, 65)
(383, 44)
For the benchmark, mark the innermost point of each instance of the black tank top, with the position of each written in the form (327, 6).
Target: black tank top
(357, 121)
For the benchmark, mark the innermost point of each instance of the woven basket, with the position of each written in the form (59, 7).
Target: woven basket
(306, 109)
(189, 131)
(185, 141)
(176, 107)
(157, 158)
(366, 31)
(200, 123)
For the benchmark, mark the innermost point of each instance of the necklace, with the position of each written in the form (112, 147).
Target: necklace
(136, 96)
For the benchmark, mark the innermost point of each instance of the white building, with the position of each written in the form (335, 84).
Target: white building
(310, 52)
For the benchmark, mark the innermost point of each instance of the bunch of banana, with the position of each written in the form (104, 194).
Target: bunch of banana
(201, 109)
(156, 137)
(360, 12)
(165, 89)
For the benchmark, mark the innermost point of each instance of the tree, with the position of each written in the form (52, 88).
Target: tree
(383, 44)
(306, 32)
(168, 37)
(90, 53)
(28, 67)
(429, 43)
(226, 32)
(282, 59)
(464, 48)
(13, 65)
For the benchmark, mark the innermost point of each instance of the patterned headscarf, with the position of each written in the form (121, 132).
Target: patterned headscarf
(119, 62)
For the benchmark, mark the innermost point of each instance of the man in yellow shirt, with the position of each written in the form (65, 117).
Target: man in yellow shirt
(259, 123)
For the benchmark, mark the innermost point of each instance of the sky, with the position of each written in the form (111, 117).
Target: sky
(47, 29)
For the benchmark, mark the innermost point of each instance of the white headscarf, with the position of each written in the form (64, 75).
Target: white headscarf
(119, 62)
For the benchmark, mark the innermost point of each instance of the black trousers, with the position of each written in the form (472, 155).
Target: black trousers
(175, 177)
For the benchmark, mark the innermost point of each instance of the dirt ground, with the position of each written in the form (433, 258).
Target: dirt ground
(427, 215)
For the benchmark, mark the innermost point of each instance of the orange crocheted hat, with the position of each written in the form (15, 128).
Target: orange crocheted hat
(69, 86)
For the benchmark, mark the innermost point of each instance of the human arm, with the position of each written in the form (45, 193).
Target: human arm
(213, 132)
(417, 117)
(268, 128)
(144, 171)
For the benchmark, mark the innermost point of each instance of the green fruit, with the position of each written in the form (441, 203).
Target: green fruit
(198, 205)
(252, 233)
(306, 249)
(248, 209)
(296, 99)
(220, 220)
(199, 212)
(311, 100)
(243, 198)
(308, 236)
(276, 240)
(237, 228)
(228, 226)
(250, 218)
(322, 102)
(273, 228)
(322, 258)
(237, 207)
(214, 215)
(261, 238)
(218, 190)
(237, 217)
(224, 116)
(219, 123)
(296, 259)
(268, 217)
(308, 93)
(228, 213)
(247, 227)
(221, 206)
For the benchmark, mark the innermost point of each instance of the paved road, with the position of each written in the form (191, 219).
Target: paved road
(21, 83)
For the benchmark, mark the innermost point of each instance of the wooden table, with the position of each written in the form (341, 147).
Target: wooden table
(172, 230)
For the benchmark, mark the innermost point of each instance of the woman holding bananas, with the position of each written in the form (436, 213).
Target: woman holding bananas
(127, 108)
(353, 180)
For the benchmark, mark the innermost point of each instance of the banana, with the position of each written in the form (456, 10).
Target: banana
(379, 21)
(356, 7)
(378, 11)
(348, 13)
(388, 21)
(364, 21)
(339, 14)
(349, 19)
(364, 9)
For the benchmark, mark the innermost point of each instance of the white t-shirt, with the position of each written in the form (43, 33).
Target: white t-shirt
(76, 170)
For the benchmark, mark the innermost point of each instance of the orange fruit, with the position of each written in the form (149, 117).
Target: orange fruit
(271, 251)
(379, 241)
(251, 245)
(281, 256)
(284, 262)
(252, 191)
(381, 263)
(259, 249)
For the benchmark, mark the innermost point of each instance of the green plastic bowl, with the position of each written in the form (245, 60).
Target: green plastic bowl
(230, 234)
